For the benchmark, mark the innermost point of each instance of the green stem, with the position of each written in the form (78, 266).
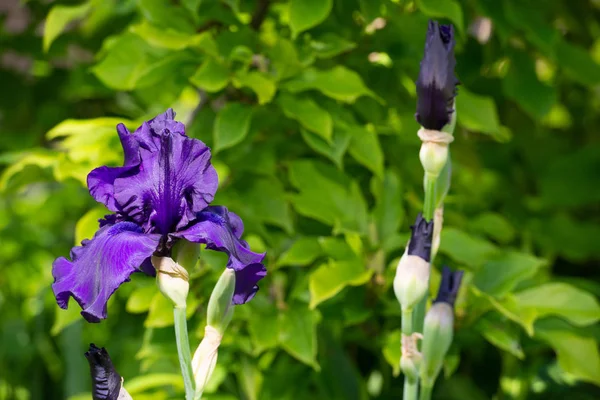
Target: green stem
(419, 315)
(425, 391)
(411, 384)
(183, 351)
(429, 206)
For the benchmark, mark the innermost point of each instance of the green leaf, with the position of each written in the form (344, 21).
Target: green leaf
(59, 17)
(231, 125)
(577, 63)
(166, 14)
(330, 45)
(502, 274)
(576, 355)
(365, 149)
(339, 83)
(298, 333)
(329, 196)
(388, 211)
(466, 249)
(163, 37)
(443, 9)
(87, 225)
(392, 350)
(305, 14)
(334, 151)
(302, 252)
(495, 226)
(308, 114)
(160, 313)
(212, 76)
(347, 269)
(478, 113)
(258, 82)
(285, 60)
(265, 199)
(263, 326)
(64, 318)
(141, 384)
(140, 299)
(501, 334)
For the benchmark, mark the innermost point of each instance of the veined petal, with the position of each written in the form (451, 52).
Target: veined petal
(100, 266)
(221, 230)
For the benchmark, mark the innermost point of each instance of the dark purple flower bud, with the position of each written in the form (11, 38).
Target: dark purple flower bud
(436, 86)
(106, 381)
(160, 195)
(420, 238)
(449, 286)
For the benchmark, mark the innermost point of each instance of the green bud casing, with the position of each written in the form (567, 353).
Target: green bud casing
(172, 280)
(220, 306)
(411, 281)
(186, 254)
(437, 338)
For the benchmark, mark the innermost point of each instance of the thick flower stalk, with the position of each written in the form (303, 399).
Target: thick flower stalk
(107, 384)
(159, 198)
(439, 330)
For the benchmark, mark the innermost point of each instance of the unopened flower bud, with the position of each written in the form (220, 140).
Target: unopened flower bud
(205, 357)
(412, 275)
(107, 384)
(220, 305)
(438, 329)
(172, 280)
(433, 157)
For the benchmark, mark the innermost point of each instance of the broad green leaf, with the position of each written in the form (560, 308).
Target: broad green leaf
(250, 378)
(334, 151)
(495, 226)
(501, 334)
(211, 76)
(263, 327)
(466, 249)
(305, 14)
(503, 273)
(64, 318)
(298, 333)
(339, 83)
(577, 355)
(392, 350)
(388, 211)
(40, 158)
(265, 199)
(140, 299)
(159, 70)
(231, 125)
(330, 45)
(59, 17)
(478, 113)
(302, 252)
(88, 224)
(163, 37)
(259, 83)
(166, 14)
(141, 384)
(577, 63)
(329, 196)
(365, 148)
(308, 114)
(522, 85)
(443, 9)
(285, 60)
(160, 313)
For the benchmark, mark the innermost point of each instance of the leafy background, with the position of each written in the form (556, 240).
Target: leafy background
(308, 106)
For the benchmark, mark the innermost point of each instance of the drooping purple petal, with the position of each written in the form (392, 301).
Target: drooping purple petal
(100, 266)
(220, 230)
(436, 85)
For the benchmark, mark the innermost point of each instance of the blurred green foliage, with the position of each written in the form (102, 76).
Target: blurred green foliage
(309, 106)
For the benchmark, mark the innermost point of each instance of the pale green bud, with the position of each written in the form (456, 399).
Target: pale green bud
(205, 358)
(438, 331)
(411, 281)
(172, 280)
(220, 306)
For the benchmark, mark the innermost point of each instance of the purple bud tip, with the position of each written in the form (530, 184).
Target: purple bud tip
(420, 238)
(106, 382)
(449, 286)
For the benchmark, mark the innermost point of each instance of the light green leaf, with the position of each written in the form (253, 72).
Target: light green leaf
(443, 9)
(141, 384)
(388, 211)
(301, 253)
(41, 158)
(87, 225)
(501, 334)
(334, 151)
(495, 226)
(298, 333)
(259, 83)
(308, 114)
(140, 299)
(211, 76)
(329, 196)
(160, 313)
(365, 148)
(163, 37)
(503, 273)
(166, 14)
(330, 45)
(305, 14)
(392, 350)
(156, 71)
(339, 83)
(576, 355)
(466, 249)
(263, 325)
(231, 125)
(478, 113)
(285, 60)
(64, 318)
(59, 17)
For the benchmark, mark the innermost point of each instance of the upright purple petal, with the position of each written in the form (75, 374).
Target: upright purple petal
(100, 266)
(220, 230)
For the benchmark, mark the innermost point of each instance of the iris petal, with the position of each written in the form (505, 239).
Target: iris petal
(221, 230)
(100, 266)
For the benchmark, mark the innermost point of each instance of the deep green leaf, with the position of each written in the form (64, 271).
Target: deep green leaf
(308, 114)
(231, 125)
(305, 14)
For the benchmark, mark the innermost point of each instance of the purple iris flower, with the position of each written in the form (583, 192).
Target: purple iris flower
(160, 195)
(436, 85)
